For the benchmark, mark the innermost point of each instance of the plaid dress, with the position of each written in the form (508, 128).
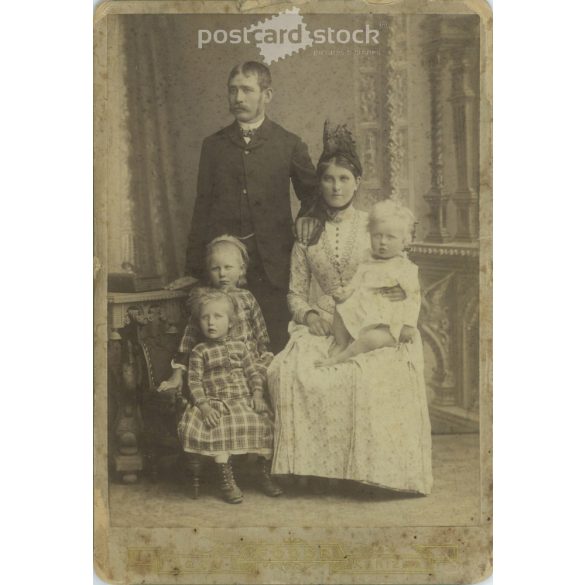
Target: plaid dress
(223, 373)
(251, 329)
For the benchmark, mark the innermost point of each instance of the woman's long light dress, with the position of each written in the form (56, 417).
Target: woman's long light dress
(367, 419)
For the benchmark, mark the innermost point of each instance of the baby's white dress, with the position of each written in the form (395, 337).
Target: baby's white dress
(367, 307)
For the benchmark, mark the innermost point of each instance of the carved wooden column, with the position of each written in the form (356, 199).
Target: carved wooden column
(368, 108)
(462, 39)
(397, 173)
(437, 199)
(123, 413)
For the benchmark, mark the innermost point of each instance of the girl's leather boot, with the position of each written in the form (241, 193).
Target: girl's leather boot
(230, 490)
(267, 483)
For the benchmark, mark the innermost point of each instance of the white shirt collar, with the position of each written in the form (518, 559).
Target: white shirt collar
(254, 126)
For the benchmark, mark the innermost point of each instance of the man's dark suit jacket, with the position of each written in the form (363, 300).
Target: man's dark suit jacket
(246, 188)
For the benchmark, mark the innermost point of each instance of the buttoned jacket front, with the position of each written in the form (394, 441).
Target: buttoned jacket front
(244, 187)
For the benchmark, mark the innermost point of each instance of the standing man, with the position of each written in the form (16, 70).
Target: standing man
(243, 189)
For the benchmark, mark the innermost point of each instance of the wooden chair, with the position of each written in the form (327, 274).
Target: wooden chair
(161, 411)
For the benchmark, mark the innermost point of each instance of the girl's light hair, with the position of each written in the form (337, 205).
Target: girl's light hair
(203, 296)
(230, 240)
(388, 210)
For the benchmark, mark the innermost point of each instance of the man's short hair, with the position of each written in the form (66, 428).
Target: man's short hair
(253, 67)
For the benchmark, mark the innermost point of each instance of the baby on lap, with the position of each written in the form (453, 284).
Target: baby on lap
(365, 319)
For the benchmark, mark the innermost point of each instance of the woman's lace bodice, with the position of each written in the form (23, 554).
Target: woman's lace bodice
(332, 262)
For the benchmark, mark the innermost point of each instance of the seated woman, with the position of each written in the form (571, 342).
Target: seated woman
(365, 419)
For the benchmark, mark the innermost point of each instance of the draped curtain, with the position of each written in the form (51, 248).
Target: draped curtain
(159, 195)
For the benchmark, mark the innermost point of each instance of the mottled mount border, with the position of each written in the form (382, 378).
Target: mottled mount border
(262, 554)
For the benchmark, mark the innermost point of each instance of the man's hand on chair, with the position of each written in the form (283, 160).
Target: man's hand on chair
(182, 282)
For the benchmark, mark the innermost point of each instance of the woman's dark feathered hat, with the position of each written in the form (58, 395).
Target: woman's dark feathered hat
(338, 142)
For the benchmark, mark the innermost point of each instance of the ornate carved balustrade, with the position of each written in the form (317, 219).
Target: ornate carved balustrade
(449, 325)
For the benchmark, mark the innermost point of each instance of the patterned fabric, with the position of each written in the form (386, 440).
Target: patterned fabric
(222, 370)
(223, 374)
(367, 419)
(247, 133)
(251, 328)
(314, 264)
(367, 308)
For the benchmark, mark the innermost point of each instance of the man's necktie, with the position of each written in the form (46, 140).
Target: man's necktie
(247, 133)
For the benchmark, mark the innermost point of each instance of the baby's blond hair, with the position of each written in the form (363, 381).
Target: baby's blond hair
(388, 210)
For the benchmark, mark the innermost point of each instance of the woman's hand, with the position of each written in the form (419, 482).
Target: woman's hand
(210, 415)
(407, 334)
(175, 382)
(317, 325)
(259, 404)
(394, 293)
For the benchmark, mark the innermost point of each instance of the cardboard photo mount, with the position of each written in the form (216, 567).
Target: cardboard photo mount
(259, 552)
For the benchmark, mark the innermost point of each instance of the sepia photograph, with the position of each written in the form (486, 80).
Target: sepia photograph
(292, 292)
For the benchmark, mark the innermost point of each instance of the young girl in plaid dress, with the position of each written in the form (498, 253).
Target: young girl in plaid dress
(228, 415)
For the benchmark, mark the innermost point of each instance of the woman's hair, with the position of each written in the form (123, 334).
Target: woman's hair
(341, 161)
(253, 68)
(339, 148)
(227, 240)
(203, 296)
(388, 210)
